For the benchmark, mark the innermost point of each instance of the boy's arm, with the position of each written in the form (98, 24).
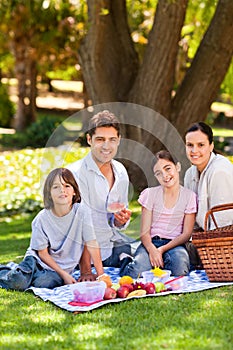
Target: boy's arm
(48, 260)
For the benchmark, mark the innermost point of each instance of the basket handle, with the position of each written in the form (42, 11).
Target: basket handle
(214, 209)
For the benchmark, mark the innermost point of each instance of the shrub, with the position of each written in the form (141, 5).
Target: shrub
(7, 107)
(36, 135)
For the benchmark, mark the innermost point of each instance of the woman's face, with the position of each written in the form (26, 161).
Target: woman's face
(198, 148)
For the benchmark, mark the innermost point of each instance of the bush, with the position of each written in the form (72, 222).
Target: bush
(36, 135)
(7, 107)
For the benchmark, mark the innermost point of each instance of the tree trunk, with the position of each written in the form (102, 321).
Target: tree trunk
(111, 69)
(209, 67)
(109, 61)
(25, 69)
(155, 80)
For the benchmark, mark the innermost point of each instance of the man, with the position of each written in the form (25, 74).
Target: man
(103, 181)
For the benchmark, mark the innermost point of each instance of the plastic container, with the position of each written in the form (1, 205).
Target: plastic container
(177, 283)
(148, 276)
(88, 292)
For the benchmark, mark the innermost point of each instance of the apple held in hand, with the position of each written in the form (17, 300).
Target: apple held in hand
(115, 207)
(110, 293)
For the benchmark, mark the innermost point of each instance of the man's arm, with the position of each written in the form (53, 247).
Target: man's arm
(85, 267)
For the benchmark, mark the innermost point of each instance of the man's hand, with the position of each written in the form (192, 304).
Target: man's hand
(85, 277)
(121, 217)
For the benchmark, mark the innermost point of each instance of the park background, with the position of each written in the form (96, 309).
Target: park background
(58, 58)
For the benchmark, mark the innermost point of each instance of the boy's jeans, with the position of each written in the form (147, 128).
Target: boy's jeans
(28, 274)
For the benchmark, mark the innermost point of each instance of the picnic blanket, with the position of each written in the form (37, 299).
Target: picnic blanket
(63, 296)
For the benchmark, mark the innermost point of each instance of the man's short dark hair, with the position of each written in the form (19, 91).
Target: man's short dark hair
(103, 119)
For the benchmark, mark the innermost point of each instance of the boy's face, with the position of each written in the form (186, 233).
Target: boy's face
(61, 192)
(104, 144)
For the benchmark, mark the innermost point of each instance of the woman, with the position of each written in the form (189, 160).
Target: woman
(210, 176)
(168, 216)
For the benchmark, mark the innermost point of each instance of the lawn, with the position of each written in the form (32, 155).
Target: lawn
(194, 321)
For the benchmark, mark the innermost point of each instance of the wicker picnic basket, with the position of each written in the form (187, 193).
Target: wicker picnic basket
(215, 247)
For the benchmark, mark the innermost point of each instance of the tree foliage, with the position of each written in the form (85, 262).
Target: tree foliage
(42, 35)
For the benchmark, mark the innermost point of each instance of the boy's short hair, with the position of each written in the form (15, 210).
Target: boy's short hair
(68, 177)
(103, 119)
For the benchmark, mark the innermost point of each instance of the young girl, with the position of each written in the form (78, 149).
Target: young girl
(168, 216)
(58, 234)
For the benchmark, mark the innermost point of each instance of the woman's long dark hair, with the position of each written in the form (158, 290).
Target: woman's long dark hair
(206, 129)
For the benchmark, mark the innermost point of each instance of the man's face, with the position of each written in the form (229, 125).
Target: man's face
(104, 144)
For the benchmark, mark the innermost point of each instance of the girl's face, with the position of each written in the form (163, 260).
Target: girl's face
(61, 192)
(198, 149)
(167, 173)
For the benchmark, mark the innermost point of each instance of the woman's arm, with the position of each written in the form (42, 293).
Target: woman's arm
(48, 260)
(189, 220)
(155, 255)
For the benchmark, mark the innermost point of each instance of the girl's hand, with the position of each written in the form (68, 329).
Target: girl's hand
(156, 257)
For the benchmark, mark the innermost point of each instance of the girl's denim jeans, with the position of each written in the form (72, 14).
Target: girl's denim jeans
(28, 274)
(176, 260)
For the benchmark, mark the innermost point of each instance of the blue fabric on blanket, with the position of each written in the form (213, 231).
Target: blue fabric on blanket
(61, 296)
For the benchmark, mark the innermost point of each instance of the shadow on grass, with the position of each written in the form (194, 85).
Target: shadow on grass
(185, 321)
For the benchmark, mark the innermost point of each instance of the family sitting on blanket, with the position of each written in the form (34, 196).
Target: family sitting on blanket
(168, 212)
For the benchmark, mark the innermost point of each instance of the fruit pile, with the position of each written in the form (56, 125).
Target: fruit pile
(127, 288)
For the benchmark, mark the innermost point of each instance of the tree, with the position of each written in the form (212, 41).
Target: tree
(39, 33)
(112, 71)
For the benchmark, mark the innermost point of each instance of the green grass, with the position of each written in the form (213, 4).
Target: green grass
(194, 321)
(221, 132)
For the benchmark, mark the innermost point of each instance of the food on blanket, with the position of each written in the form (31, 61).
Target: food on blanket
(149, 288)
(122, 292)
(138, 285)
(110, 293)
(125, 280)
(115, 207)
(137, 293)
(88, 292)
(115, 286)
(177, 283)
(159, 287)
(105, 278)
(129, 286)
(158, 272)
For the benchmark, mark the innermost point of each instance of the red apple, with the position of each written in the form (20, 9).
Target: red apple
(123, 291)
(129, 286)
(110, 293)
(149, 288)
